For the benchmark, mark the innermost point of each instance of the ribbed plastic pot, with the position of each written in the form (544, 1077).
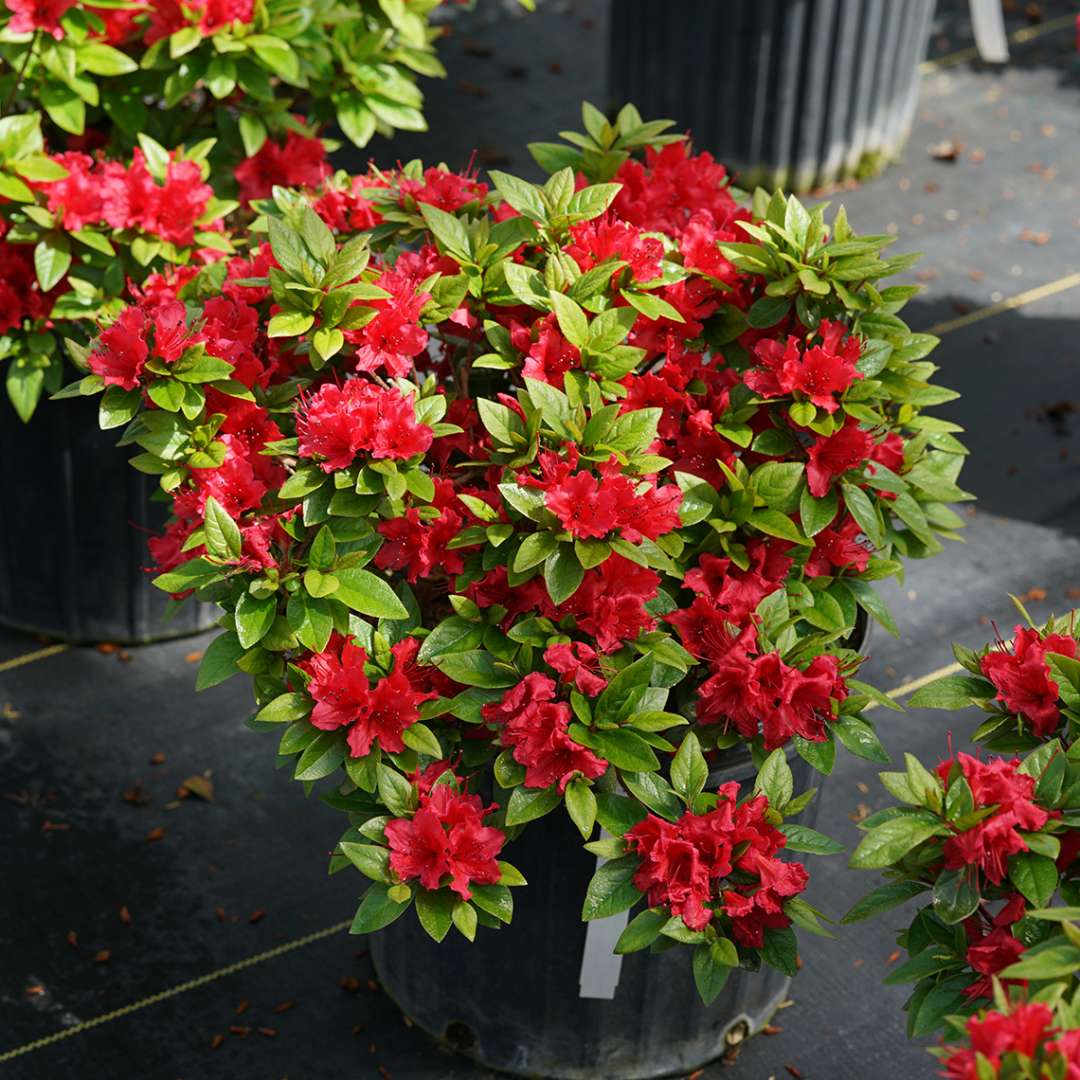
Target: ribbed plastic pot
(74, 520)
(786, 93)
(511, 999)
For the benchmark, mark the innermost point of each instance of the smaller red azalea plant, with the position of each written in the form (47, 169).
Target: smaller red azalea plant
(1029, 686)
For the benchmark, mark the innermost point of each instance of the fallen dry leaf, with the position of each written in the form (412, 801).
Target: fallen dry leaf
(193, 657)
(284, 1006)
(106, 648)
(200, 786)
(155, 834)
(102, 956)
(216, 1041)
(257, 915)
(946, 150)
(794, 1071)
(157, 759)
(269, 1032)
(349, 983)
(242, 1007)
(125, 915)
(72, 939)
(771, 1029)
(220, 913)
(893, 957)
(239, 1029)
(1033, 594)
(54, 826)
(136, 795)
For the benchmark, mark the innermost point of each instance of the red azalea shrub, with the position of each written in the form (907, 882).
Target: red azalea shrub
(993, 842)
(555, 492)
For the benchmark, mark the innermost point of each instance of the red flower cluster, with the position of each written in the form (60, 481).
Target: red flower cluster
(533, 724)
(683, 865)
(1017, 1036)
(989, 843)
(818, 372)
(1023, 680)
(345, 698)
(100, 192)
(339, 421)
(20, 295)
(992, 948)
(446, 837)
(168, 16)
(298, 162)
(593, 506)
(30, 15)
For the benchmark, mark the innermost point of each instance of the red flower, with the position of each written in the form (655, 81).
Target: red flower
(30, 15)
(441, 188)
(1023, 680)
(989, 843)
(989, 956)
(548, 355)
(76, 199)
(446, 837)
(576, 662)
(833, 455)
(395, 335)
(994, 1035)
(605, 237)
(820, 371)
(534, 725)
(836, 547)
(299, 162)
(610, 602)
(683, 864)
(584, 507)
(338, 422)
(121, 350)
(344, 697)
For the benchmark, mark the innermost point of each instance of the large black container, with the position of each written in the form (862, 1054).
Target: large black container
(787, 93)
(74, 518)
(512, 998)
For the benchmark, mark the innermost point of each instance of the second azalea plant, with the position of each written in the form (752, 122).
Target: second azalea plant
(987, 844)
(525, 499)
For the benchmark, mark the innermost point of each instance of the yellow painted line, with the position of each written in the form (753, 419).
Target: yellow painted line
(1017, 37)
(1011, 303)
(180, 988)
(31, 657)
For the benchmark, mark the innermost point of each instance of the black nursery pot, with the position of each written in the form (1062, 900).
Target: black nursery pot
(787, 93)
(512, 999)
(73, 527)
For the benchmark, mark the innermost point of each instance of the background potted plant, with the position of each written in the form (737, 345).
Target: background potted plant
(129, 134)
(535, 498)
(987, 845)
(793, 93)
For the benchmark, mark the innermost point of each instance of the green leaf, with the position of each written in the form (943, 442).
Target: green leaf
(775, 780)
(581, 806)
(952, 692)
(816, 514)
(254, 617)
(711, 970)
(252, 133)
(356, 119)
(571, 318)
(1058, 960)
(535, 548)
(642, 930)
(956, 894)
(776, 481)
(862, 510)
(449, 230)
(688, 769)
(803, 838)
(284, 709)
(775, 523)
(219, 661)
(370, 859)
(435, 911)
(223, 540)
(453, 634)
(275, 54)
(611, 889)
(890, 842)
(563, 573)
(52, 259)
(117, 407)
(883, 898)
(322, 756)
(1036, 876)
(377, 910)
(496, 900)
(861, 739)
(781, 951)
(368, 594)
(625, 749)
(528, 804)
(476, 667)
(289, 324)
(653, 791)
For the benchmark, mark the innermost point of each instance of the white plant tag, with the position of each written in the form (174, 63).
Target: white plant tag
(600, 966)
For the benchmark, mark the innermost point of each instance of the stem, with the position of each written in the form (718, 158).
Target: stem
(21, 73)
